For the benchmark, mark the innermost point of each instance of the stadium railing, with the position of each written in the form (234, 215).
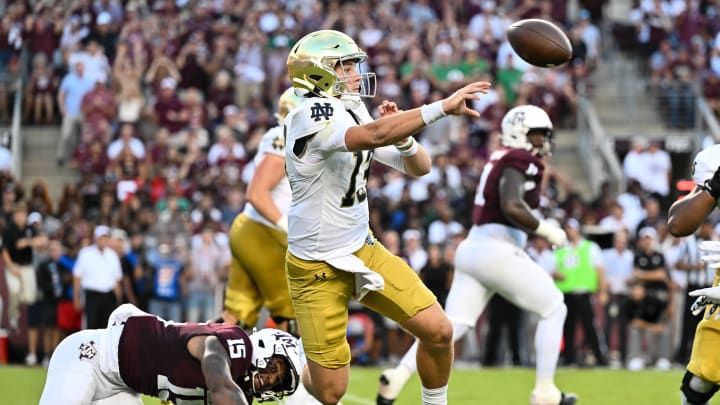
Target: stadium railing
(596, 151)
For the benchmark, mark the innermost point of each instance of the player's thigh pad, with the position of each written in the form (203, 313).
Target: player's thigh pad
(705, 357)
(466, 300)
(404, 295)
(75, 373)
(320, 295)
(507, 270)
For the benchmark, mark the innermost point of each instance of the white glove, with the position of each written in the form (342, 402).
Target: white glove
(706, 296)
(554, 234)
(282, 223)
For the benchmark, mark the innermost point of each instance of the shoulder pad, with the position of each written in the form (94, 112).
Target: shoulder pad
(705, 164)
(313, 115)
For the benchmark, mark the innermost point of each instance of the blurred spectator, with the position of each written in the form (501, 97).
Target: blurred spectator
(128, 263)
(126, 139)
(618, 271)
(39, 94)
(99, 109)
(104, 34)
(126, 75)
(18, 242)
(444, 227)
(414, 251)
(437, 274)
(169, 110)
(234, 204)
(43, 314)
(226, 150)
(654, 216)
(579, 274)
(73, 33)
(220, 95)
(651, 303)
(614, 222)
(360, 334)
(631, 201)
(73, 88)
(97, 66)
(168, 269)
(207, 268)
(98, 275)
(502, 316)
(660, 165)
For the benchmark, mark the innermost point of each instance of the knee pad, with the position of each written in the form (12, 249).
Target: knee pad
(560, 312)
(696, 390)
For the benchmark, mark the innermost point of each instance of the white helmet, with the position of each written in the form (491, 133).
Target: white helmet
(269, 343)
(519, 121)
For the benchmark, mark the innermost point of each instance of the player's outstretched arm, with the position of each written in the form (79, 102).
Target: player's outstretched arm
(393, 128)
(686, 215)
(215, 365)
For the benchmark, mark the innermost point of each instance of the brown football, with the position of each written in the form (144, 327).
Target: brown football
(540, 42)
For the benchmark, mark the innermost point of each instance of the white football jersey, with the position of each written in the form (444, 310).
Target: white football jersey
(328, 215)
(705, 164)
(272, 143)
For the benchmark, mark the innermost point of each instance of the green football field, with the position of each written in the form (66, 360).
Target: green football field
(22, 386)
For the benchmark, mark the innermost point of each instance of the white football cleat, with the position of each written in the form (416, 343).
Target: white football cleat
(392, 382)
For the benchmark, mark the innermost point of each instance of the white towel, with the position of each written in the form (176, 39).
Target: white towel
(366, 280)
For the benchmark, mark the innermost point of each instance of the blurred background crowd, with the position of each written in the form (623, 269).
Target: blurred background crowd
(161, 104)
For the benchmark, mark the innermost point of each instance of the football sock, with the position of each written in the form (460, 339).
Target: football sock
(547, 342)
(434, 396)
(396, 379)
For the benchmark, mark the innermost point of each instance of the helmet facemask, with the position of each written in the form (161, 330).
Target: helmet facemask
(368, 82)
(286, 386)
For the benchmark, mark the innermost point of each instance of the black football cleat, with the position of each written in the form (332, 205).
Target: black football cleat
(568, 399)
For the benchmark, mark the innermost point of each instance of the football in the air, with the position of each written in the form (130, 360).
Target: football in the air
(540, 42)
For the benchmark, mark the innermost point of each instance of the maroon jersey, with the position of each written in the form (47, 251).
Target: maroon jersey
(487, 208)
(153, 357)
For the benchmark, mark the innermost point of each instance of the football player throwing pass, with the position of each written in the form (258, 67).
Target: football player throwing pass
(332, 255)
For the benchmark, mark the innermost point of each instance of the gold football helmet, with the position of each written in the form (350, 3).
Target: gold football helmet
(312, 61)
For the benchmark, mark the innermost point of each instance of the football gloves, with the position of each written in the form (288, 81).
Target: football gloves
(710, 295)
(552, 233)
(712, 185)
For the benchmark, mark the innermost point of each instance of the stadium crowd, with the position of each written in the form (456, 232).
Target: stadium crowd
(161, 105)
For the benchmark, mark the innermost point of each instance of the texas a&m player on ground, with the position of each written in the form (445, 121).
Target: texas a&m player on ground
(492, 260)
(179, 362)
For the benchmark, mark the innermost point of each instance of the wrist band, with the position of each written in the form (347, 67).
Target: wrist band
(407, 148)
(432, 112)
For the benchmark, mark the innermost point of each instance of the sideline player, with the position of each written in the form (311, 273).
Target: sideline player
(702, 377)
(258, 236)
(139, 353)
(332, 255)
(492, 260)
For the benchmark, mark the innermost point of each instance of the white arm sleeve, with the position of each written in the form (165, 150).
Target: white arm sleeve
(389, 156)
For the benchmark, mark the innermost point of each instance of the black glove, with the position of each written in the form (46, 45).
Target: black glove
(712, 185)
